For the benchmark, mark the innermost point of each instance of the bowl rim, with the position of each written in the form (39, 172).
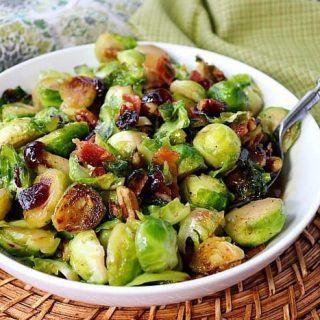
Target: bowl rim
(268, 254)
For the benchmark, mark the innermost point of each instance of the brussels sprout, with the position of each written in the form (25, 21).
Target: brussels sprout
(173, 212)
(114, 97)
(178, 137)
(57, 182)
(49, 119)
(60, 141)
(256, 222)
(55, 267)
(252, 92)
(271, 118)
(156, 245)
(87, 257)
(219, 145)
(190, 160)
(80, 208)
(46, 93)
(55, 162)
(215, 253)
(180, 71)
(188, 88)
(109, 44)
(122, 262)
(80, 174)
(198, 226)
(84, 70)
(126, 142)
(14, 173)
(179, 120)
(15, 95)
(229, 93)
(19, 132)
(148, 147)
(131, 57)
(17, 110)
(205, 192)
(5, 202)
(28, 242)
(163, 277)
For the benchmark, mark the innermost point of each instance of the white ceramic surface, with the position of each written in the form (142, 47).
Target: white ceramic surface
(301, 196)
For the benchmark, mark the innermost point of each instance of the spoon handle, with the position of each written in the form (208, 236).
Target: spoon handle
(300, 110)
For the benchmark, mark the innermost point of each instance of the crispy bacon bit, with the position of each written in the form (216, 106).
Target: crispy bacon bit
(137, 180)
(86, 116)
(218, 74)
(98, 171)
(197, 77)
(165, 70)
(128, 202)
(34, 196)
(90, 153)
(211, 107)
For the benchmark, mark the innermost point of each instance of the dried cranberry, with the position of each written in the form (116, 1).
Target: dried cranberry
(127, 119)
(211, 107)
(197, 77)
(34, 196)
(16, 176)
(137, 180)
(34, 154)
(157, 96)
(101, 91)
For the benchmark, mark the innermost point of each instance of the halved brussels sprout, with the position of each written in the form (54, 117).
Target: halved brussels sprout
(55, 267)
(49, 119)
(5, 202)
(60, 141)
(80, 208)
(188, 88)
(122, 262)
(256, 222)
(126, 142)
(114, 96)
(84, 70)
(219, 145)
(25, 242)
(190, 160)
(148, 147)
(271, 118)
(18, 110)
(87, 257)
(41, 215)
(19, 132)
(108, 45)
(205, 192)
(56, 162)
(198, 226)
(173, 212)
(163, 277)
(156, 245)
(215, 254)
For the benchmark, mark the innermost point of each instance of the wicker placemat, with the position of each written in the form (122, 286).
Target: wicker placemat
(289, 288)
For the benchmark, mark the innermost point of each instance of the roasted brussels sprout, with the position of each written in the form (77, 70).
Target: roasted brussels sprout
(156, 245)
(84, 70)
(25, 242)
(80, 208)
(219, 145)
(271, 118)
(5, 202)
(122, 262)
(108, 45)
(190, 160)
(18, 110)
(188, 88)
(198, 226)
(126, 142)
(163, 277)
(60, 141)
(131, 57)
(87, 257)
(39, 203)
(205, 192)
(215, 254)
(256, 222)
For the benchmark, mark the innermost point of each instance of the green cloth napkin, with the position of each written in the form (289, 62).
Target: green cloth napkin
(279, 37)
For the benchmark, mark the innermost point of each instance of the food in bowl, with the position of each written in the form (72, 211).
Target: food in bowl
(130, 173)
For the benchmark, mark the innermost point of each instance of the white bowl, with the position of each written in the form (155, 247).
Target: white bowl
(301, 196)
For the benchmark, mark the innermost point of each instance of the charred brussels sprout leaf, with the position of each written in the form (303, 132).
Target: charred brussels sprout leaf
(198, 226)
(122, 262)
(87, 257)
(256, 222)
(80, 208)
(205, 192)
(156, 244)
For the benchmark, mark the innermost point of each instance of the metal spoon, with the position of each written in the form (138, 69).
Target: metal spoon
(299, 111)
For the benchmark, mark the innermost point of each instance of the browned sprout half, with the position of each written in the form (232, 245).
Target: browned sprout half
(77, 93)
(80, 208)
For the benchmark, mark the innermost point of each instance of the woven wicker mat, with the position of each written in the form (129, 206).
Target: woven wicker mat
(289, 288)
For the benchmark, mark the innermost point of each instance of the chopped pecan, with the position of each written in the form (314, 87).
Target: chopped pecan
(128, 202)
(86, 116)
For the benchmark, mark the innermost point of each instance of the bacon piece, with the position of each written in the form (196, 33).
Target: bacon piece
(164, 70)
(90, 153)
(197, 77)
(98, 171)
